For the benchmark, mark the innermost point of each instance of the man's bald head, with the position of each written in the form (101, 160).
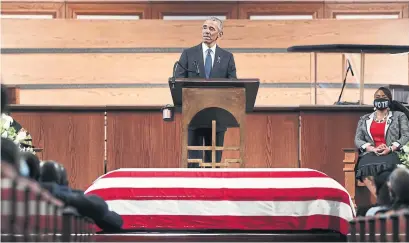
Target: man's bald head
(399, 184)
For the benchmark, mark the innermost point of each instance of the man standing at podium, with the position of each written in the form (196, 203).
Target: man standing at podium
(207, 60)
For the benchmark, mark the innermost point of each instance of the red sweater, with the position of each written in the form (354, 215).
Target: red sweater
(378, 133)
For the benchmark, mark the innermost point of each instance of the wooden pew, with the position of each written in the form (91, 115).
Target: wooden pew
(389, 227)
(29, 213)
(352, 185)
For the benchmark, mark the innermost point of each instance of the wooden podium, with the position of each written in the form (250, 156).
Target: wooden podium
(222, 101)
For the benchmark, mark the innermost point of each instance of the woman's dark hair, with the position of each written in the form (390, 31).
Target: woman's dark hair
(33, 164)
(394, 105)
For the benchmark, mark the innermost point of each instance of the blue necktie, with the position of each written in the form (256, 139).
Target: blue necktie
(208, 63)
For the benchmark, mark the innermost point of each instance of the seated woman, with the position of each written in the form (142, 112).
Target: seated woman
(379, 136)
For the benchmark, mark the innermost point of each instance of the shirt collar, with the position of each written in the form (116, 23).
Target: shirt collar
(205, 47)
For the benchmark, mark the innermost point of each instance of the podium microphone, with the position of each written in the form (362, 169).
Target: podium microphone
(175, 66)
(196, 71)
(178, 64)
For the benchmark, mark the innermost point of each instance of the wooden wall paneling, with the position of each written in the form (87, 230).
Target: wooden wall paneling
(144, 68)
(229, 9)
(96, 96)
(151, 95)
(142, 10)
(328, 96)
(387, 69)
(137, 68)
(33, 124)
(13, 95)
(272, 140)
(310, 8)
(159, 33)
(323, 135)
(74, 139)
(406, 11)
(142, 140)
(57, 9)
(332, 9)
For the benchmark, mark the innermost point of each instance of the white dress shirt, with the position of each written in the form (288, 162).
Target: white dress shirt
(213, 53)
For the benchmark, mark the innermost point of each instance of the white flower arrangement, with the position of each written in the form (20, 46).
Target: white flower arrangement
(21, 138)
(404, 155)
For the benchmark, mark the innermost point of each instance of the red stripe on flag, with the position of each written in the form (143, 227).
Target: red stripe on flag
(232, 194)
(217, 174)
(183, 222)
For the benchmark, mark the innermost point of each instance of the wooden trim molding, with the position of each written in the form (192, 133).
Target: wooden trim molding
(56, 9)
(230, 10)
(332, 9)
(142, 10)
(248, 9)
(406, 11)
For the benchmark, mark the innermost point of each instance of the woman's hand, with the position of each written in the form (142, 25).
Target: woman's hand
(385, 151)
(371, 148)
(381, 148)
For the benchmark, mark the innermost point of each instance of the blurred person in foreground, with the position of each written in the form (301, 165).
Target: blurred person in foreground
(399, 188)
(53, 177)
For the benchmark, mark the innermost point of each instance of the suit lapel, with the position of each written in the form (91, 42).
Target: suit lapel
(201, 62)
(217, 62)
(388, 123)
(368, 125)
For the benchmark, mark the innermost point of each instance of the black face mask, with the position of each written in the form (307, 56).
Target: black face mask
(381, 103)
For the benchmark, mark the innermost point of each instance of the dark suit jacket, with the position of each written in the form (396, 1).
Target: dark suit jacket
(223, 67)
(91, 206)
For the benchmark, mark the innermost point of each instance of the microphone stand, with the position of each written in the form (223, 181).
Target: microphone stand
(344, 82)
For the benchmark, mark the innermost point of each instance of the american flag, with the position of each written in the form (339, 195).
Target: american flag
(226, 199)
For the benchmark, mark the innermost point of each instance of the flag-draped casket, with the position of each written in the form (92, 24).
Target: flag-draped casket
(226, 199)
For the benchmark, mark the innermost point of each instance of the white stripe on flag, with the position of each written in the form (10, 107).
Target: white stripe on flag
(183, 182)
(231, 208)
